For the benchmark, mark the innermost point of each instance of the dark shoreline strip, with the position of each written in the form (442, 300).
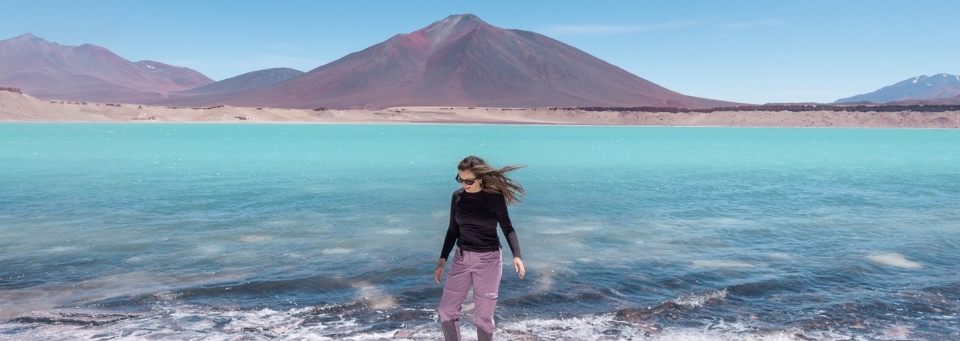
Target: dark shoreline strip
(780, 107)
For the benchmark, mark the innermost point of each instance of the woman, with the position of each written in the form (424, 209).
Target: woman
(475, 211)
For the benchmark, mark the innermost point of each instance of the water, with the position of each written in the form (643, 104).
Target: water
(217, 231)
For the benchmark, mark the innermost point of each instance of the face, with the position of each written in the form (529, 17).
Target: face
(465, 177)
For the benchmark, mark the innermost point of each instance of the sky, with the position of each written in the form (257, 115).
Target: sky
(742, 51)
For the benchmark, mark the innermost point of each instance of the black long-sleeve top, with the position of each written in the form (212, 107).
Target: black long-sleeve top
(473, 223)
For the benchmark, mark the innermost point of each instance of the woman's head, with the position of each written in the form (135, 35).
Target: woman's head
(475, 175)
(469, 173)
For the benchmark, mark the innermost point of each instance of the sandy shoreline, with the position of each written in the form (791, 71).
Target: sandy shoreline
(16, 107)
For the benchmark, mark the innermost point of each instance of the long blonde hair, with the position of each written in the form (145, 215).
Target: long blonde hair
(494, 180)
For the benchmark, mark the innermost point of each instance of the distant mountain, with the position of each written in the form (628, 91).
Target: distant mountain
(463, 61)
(177, 74)
(244, 82)
(916, 88)
(87, 72)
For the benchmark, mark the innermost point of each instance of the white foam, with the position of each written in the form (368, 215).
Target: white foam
(254, 239)
(167, 295)
(898, 331)
(779, 256)
(697, 300)
(544, 282)
(185, 322)
(337, 251)
(894, 259)
(605, 327)
(211, 249)
(377, 298)
(131, 284)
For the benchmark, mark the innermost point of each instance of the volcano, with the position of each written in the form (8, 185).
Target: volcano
(87, 72)
(462, 61)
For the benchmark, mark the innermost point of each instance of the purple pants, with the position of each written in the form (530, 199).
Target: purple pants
(482, 270)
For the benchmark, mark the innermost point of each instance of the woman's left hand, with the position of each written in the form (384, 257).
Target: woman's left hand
(518, 267)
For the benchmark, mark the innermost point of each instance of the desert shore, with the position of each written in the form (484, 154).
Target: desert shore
(16, 107)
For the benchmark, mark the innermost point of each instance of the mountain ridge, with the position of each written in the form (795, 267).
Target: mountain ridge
(247, 81)
(463, 61)
(87, 72)
(938, 86)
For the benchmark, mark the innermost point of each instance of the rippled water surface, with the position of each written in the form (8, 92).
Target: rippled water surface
(218, 231)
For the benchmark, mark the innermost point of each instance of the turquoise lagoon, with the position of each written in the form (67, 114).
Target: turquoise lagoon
(227, 231)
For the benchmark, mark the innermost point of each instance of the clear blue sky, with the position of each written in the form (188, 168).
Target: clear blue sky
(745, 51)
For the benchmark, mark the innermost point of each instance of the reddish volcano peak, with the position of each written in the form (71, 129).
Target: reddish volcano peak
(451, 27)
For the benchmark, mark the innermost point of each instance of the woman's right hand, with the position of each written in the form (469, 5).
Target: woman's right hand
(438, 273)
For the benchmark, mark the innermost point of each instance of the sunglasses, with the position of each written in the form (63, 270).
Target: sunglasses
(464, 181)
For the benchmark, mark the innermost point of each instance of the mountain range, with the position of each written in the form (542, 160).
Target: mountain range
(937, 89)
(462, 61)
(458, 61)
(87, 72)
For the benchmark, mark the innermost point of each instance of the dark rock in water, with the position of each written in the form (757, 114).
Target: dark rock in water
(647, 314)
(384, 326)
(612, 332)
(78, 317)
(334, 312)
(220, 322)
(409, 315)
